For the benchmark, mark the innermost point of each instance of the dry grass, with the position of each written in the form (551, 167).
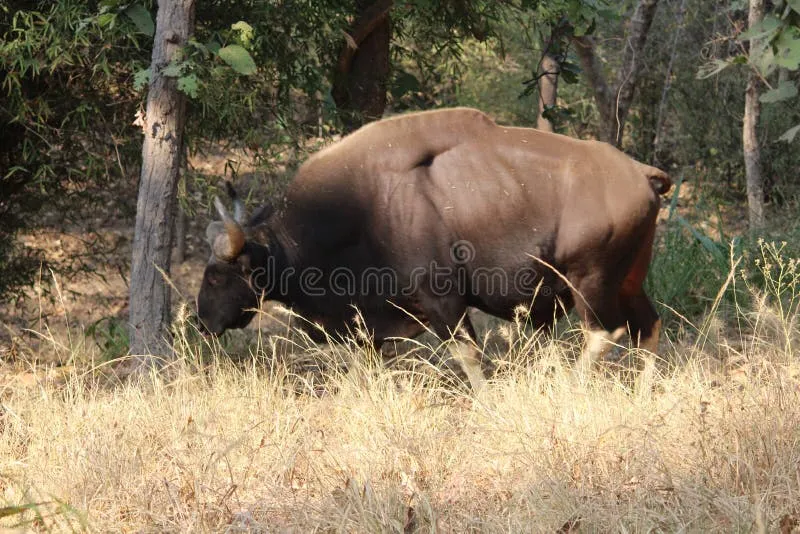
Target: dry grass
(350, 445)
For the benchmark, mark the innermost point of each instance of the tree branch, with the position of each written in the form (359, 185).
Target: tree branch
(584, 47)
(627, 75)
(614, 102)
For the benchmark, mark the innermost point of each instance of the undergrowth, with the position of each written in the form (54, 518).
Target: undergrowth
(283, 434)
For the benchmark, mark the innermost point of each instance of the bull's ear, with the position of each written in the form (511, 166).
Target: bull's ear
(261, 215)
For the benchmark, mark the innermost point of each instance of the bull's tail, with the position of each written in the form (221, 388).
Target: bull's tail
(659, 180)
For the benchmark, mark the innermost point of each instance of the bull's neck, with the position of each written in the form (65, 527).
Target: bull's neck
(282, 268)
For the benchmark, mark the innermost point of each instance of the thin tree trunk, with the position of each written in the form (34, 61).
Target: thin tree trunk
(548, 90)
(362, 71)
(593, 70)
(752, 152)
(631, 65)
(615, 102)
(161, 158)
(180, 237)
(662, 105)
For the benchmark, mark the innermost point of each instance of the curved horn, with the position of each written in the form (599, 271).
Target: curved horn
(229, 244)
(238, 206)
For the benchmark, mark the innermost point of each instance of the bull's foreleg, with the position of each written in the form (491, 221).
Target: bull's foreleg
(469, 357)
(449, 320)
(597, 343)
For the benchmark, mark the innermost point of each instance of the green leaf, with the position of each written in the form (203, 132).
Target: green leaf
(245, 31)
(784, 91)
(763, 58)
(673, 204)
(787, 48)
(238, 58)
(141, 78)
(213, 46)
(767, 26)
(141, 19)
(794, 4)
(173, 70)
(106, 19)
(551, 113)
(203, 49)
(188, 85)
(790, 134)
(709, 244)
(569, 72)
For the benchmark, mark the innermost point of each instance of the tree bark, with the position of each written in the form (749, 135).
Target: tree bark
(548, 90)
(593, 70)
(752, 111)
(362, 71)
(614, 102)
(161, 158)
(662, 105)
(180, 237)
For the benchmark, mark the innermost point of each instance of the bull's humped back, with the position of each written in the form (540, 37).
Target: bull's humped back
(464, 153)
(404, 142)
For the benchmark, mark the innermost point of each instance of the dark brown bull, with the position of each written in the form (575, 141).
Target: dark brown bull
(413, 219)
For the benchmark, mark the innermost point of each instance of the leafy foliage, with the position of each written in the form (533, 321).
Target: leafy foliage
(774, 45)
(548, 30)
(73, 77)
(66, 119)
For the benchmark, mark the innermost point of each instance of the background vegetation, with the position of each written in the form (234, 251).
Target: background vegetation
(256, 432)
(74, 78)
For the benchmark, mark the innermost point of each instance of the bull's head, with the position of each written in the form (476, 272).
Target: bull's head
(227, 297)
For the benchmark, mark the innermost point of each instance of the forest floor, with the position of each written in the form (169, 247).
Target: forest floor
(293, 437)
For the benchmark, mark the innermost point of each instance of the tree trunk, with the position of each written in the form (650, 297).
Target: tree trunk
(362, 72)
(662, 105)
(615, 102)
(548, 90)
(161, 158)
(593, 70)
(631, 65)
(752, 152)
(180, 237)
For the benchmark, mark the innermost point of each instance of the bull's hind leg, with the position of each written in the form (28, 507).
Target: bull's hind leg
(598, 306)
(645, 327)
(642, 319)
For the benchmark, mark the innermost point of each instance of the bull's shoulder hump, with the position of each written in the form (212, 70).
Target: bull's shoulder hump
(435, 130)
(449, 117)
(401, 143)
